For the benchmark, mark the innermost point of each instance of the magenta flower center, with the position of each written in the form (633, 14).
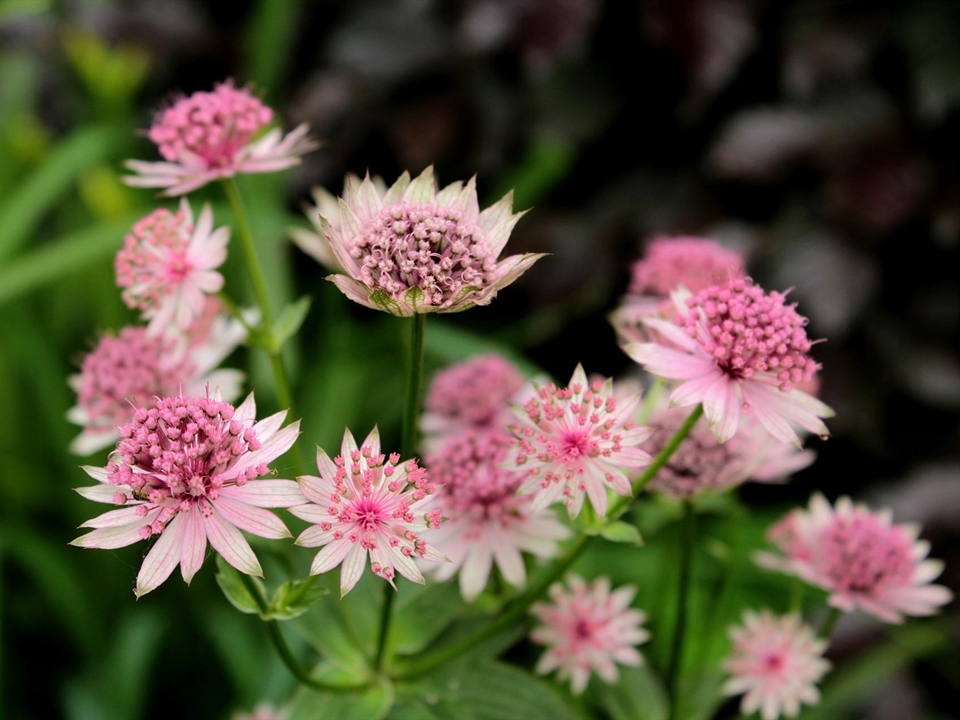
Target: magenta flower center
(576, 444)
(747, 331)
(123, 372)
(153, 260)
(861, 553)
(369, 514)
(207, 129)
(425, 246)
(772, 663)
(180, 453)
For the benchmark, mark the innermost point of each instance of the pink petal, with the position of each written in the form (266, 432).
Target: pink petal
(667, 362)
(266, 493)
(193, 547)
(331, 556)
(162, 558)
(352, 568)
(269, 451)
(722, 408)
(230, 543)
(254, 520)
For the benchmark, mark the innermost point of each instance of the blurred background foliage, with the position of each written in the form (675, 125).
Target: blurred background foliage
(818, 135)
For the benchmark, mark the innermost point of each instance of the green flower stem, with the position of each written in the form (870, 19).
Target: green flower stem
(687, 540)
(517, 608)
(408, 447)
(284, 651)
(829, 623)
(280, 379)
(235, 311)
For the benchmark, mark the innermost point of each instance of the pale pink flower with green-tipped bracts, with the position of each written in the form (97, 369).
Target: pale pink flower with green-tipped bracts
(860, 558)
(486, 522)
(128, 370)
(775, 663)
(588, 629)
(187, 471)
(736, 348)
(575, 443)
(210, 136)
(415, 250)
(167, 267)
(365, 504)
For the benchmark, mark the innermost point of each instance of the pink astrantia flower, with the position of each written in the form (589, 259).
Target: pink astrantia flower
(209, 136)
(737, 348)
(486, 521)
(167, 266)
(668, 264)
(586, 629)
(776, 662)
(471, 395)
(574, 441)
(860, 558)
(415, 250)
(263, 711)
(364, 504)
(701, 463)
(186, 470)
(127, 371)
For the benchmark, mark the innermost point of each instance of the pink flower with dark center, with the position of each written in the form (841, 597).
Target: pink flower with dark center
(167, 266)
(366, 504)
(210, 135)
(574, 442)
(415, 250)
(186, 471)
(586, 629)
(860, 558)
(471, 395)
(486, 521)
(777, 662)
(701, 463)
(128, 371)
(737, 348)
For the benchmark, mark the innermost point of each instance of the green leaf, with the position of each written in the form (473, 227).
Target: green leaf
(700, 696)
(621, 532)
(234, 588)
(294, 598)
(22, 210)
(638, 695)
(289, 321)
(421, 613)
(371, 704)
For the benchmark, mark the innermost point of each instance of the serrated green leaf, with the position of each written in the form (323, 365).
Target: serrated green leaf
(234, 589)
(621, 532)
(289, 321)
(294, 598)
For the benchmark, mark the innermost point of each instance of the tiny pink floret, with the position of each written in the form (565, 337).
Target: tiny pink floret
(695, 263)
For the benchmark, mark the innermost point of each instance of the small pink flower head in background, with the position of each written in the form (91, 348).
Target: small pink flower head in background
(860, 557)
(415, 250)
(701, 463)
(327, 206)
(777, 662)
(586, 629)
(263, 711)
(167, 267)
(187, 471)
(471, 395)
(574, 442)
(127, 371)
(669, 263)
(737, 348)
(366, 504)
(486, 521)
(208, 136)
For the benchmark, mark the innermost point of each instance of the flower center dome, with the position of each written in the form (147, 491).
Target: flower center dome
(860, 553)
(153, 260)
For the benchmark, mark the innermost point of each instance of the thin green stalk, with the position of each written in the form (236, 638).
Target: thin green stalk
(688, 537)
(284, 651)
(519, 606)
(829, 623)
(235, 311)
(408, 445)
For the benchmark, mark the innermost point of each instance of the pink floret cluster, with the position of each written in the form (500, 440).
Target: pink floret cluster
(695, 263)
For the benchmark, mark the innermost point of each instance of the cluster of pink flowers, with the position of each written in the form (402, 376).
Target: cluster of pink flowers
(587, 629)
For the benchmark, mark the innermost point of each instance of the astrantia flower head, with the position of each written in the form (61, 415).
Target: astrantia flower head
(167, 266)
(365, 503)
(186, 470)
(127, 371)
(209, 135)
(776, 662)
(860, 557)
(415, 250)
(575, 442)
(486, 521)
(586, 629)
(737, 348)
(471, 395)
